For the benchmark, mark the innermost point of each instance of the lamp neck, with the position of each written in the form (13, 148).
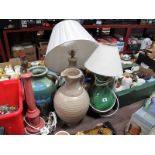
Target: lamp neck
(102, 80)
(72, 62)
(72, 59)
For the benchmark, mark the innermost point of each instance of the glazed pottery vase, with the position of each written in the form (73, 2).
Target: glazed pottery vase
(71, 101)
(43, 88)
(101, 97)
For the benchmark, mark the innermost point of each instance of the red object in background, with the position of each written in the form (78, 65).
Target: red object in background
(2, 51)
(35, 122)
(11, 94)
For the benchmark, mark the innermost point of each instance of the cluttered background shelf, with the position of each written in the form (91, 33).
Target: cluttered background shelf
(94, 29)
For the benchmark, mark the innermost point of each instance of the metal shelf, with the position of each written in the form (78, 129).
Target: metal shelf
(129, 27)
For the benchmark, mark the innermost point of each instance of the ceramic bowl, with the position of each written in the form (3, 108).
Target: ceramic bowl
(62, 133)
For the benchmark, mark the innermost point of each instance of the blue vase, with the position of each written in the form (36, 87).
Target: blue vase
(43, 88)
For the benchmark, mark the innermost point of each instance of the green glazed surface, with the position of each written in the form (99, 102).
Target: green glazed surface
(102, 98)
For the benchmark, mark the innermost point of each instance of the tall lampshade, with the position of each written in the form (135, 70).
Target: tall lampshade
(105, 61)
(66, 36)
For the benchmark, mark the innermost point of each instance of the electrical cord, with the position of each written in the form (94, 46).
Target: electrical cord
(49, 127)
(37, 133)
(117, 101)
(52, 122)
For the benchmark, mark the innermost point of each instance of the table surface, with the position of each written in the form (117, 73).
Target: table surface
(119, 120)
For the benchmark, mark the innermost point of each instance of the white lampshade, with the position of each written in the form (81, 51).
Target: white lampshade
(105, 60)
(66, 36)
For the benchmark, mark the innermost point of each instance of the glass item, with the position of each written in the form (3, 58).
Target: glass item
(71, 101)
(43, 88)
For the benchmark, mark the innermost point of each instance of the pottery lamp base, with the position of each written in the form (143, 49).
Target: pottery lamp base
(31, 129)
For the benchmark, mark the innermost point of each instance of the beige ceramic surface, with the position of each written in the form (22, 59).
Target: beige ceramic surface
(71, 101)
(62, 133)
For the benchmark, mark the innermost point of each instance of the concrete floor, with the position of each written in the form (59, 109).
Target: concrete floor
(119, 120)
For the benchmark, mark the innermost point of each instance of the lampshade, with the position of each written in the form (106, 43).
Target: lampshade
(105, 60)
(66, 36)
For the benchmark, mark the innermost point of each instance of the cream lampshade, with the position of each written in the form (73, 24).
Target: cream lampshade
(105, 61)
(68, 36)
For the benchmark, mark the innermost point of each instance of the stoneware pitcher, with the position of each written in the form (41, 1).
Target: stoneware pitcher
(43, 88)
(71, 101)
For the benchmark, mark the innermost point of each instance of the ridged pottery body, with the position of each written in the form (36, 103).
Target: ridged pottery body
(43, 89)
(71, 101)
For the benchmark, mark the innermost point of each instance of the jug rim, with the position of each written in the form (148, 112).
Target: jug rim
(68, 72)
(38, 67)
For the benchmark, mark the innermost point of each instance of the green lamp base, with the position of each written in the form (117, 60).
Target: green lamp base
(102, 98)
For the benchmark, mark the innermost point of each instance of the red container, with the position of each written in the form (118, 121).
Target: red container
(11, 94)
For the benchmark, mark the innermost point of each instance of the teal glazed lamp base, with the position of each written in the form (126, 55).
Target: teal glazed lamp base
(43, 89)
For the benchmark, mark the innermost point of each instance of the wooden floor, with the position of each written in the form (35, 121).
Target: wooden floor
(119, 120)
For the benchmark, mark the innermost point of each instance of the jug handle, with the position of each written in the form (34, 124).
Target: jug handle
(52, 74)
(82, 80)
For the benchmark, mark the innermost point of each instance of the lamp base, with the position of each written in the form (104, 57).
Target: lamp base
(72, 62)
(35, 122)
(35, 129)
(101, 97)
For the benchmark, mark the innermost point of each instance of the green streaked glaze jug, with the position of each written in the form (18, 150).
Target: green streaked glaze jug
(43, 88)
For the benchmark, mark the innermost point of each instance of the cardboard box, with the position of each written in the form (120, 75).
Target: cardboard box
(29, 51)
(42, 48)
